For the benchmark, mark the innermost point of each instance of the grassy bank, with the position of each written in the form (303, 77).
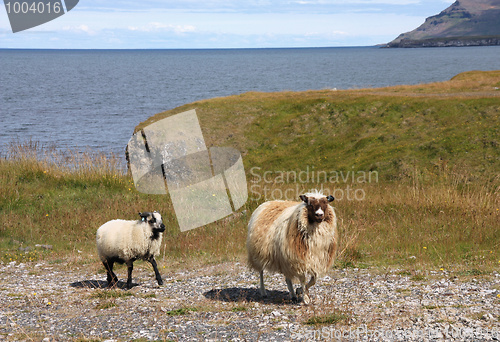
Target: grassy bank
(415, 170)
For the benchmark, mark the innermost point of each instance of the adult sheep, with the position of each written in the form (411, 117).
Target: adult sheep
(294, 239)
(125, 241)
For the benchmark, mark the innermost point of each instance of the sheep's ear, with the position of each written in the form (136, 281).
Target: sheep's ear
(304, 198)
(330, 198)
(144, 216)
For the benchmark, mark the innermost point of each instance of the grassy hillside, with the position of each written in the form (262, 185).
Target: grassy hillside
(432, 151)
(449, 125)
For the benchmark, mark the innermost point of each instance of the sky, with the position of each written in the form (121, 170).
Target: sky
(199, 24)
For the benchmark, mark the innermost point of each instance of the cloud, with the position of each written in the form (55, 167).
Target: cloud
(350, 2)
(80, 29)
(156, 26)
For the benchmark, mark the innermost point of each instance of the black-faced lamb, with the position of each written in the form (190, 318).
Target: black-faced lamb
(125, 241)
(294, 239)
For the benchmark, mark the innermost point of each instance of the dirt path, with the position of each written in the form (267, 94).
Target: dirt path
(44, 302)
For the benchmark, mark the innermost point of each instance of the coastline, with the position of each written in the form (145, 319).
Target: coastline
(446, 42)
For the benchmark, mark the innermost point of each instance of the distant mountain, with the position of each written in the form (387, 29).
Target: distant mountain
(464, 23)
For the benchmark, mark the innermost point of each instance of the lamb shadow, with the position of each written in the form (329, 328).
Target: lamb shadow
(238, 294)
(99, 284)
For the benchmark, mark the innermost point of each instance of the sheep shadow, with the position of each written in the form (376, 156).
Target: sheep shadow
(239, 294)
(99, 284)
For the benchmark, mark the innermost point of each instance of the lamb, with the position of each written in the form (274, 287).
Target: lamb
(125, 241)
(294, 239)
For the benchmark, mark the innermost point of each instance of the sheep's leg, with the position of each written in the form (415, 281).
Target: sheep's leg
(130, 268)
(310, 283)
(110, 275)
(290, 289)
(304, 289)
(263, 292)
(155, 267)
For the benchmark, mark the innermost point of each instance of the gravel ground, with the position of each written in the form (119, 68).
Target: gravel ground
(58, 302)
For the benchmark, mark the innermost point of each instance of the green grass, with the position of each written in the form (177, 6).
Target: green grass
(332, 318)
(111, 294)
(418, 277)
(433, 151)
(239, 309)
(472, 272)
(108, 298)
(181, 311)
(105, 305)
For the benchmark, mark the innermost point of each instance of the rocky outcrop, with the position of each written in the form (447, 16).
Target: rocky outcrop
(464, 23)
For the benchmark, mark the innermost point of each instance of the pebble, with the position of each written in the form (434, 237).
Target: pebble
(221, 302)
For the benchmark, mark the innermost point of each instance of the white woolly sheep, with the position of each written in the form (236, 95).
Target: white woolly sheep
(125, 241)
(294, 239)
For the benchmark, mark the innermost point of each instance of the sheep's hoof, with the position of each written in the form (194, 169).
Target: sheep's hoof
(303, 296)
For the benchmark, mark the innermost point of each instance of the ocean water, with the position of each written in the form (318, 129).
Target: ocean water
(93, 99)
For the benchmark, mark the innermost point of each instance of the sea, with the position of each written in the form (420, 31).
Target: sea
(82, 100)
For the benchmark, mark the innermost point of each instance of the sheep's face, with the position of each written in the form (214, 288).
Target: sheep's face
(316, 207)
(154, 220)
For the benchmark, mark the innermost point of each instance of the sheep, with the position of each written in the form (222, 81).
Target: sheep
(125, 241)
(294, 239)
